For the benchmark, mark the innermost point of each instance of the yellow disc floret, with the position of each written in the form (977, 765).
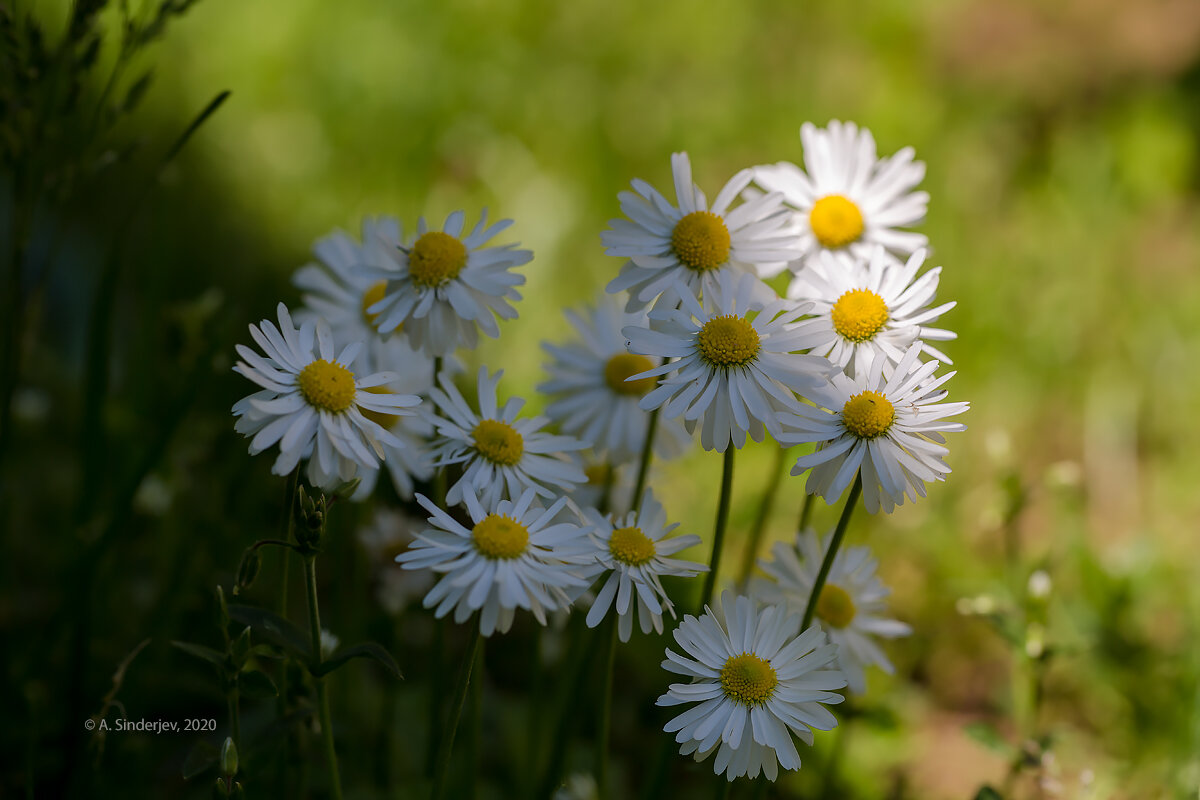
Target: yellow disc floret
(622, 366)
(327, 385)
(498, 442)
(868, 415)
(728, 341)
(436, 258)
(835, 606)
(499, 537)
(631, 546)
(836, 221)
(371, 296)
(385, 421)
(858, 315)
(701, 241)
(748, 679)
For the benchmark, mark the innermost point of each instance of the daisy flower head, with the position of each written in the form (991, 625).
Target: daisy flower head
(757, 680)
(515, 554)
(595, 400)
(637, 553)
(846, 197)
(851, 606)
(734, 363)
(680, 249)
(878, 309)
(443, 286)
(885, 425)
(312, 404)
(501, 455)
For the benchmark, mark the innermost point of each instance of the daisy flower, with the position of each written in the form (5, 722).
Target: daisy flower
(757, 680)
(637, 553)
(681, 249)
(442, 286)
(595, 400)
(514, 555)
(847, 197)
(850, 607)
(733, 362)
(312, 403)
(885, 424)
(862, 312)
(501, 455)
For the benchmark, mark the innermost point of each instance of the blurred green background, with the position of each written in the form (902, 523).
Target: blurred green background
(1061, 143)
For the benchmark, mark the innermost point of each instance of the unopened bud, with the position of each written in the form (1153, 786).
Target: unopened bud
(229, 758)
(248, 569)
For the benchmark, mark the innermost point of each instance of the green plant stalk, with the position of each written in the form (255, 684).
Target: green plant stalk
(235, 718)
(475, 731)
(754, 541)
(839, 533)
(314, 621)
(287, 520)
(604, 725)
(806, 509)
(710, 580)
(446, 746)
(646, 458)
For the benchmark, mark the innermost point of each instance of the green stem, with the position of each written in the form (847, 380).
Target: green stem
(806, 509)
(446, 746)
(647, 456)
(838, 534)
(761, 785)
(754, 542)
(568, 688)
(287, 520)
(710, 580)
(235, 719)
(605, 723)
(475, 730)
(314, 622)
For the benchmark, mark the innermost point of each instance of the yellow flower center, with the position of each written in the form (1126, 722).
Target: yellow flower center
(327, 385)
(631, 546)
(728, 341)
(436, 258)
(623, 365)
(836, 221)
(748, 679)
(835, 606)
(500, 537)
(701, 241)
(498, 442)
(868, 414)
(371, 296)
(859, 314)
(385, 421)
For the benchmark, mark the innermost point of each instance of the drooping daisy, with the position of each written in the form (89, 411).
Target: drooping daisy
(875, 310)
(885, 423)
(757, 680)
(501, 455)
(595, 401)
(312, 403)
(515, 555)
(735, 362)
(637, 553)
(679, 250)
(851, 606)
(847, 197)
(443, 286)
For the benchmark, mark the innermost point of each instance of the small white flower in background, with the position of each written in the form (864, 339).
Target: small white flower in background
(851, 605)
(443, 286)
(329, 643)
(847, 197)
(734, 362)
(388, 534)
(757, 680)
(887, 423)
(874, 310)
(636, 553)
(578, 786)
(679, 250)
(594, 400)
(501, 455)
(605, 478)
(515, 555)
(312, 404)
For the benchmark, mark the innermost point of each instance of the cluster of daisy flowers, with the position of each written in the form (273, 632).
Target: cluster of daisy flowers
(553, 512)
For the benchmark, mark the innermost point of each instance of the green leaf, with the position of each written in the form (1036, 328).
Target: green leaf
(240, 648)
(257, 685)
(372, 650)
(200, 651)
(986, 734)
(988, 793)
(274, 629)
(200, 759)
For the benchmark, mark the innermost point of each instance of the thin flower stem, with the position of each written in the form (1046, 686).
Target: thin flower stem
(314, 622)
(287, 519)
(475, 730)
(710, 580)
(235, 719)
(456, 707)
(605, 724)
(838, 534)
(805, 512)
(754, 542)
(761, 785)
(647, 456)
(440, 481)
